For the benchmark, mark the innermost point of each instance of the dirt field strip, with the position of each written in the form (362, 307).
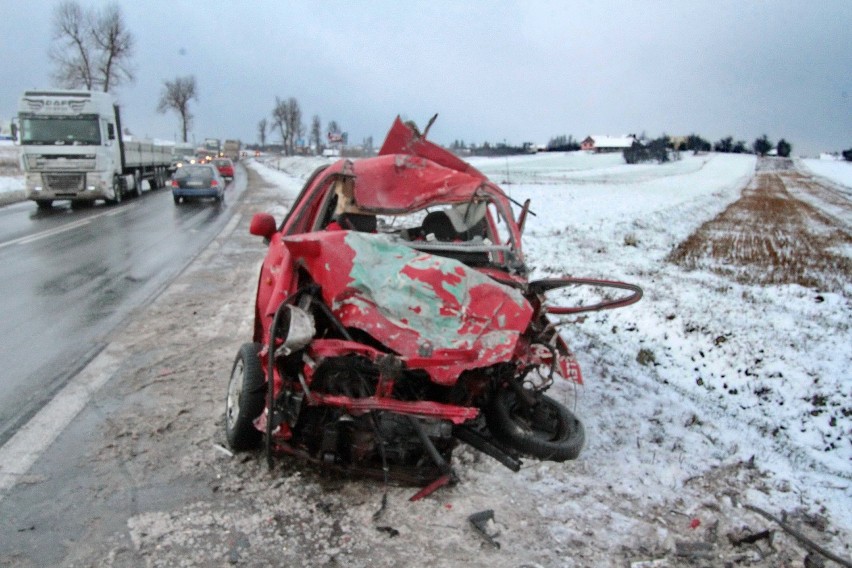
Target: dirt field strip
(769, 236)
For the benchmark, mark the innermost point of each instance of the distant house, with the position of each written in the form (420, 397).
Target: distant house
(601, 144)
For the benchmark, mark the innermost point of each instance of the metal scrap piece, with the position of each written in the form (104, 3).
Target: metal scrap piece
(480, 523)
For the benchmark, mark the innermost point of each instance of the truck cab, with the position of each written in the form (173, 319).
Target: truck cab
(72, 149)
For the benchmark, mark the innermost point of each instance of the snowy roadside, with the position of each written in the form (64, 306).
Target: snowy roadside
(11, 177)
(673, 456)
(707, 397)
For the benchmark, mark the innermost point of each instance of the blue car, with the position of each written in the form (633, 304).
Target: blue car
(197, 181)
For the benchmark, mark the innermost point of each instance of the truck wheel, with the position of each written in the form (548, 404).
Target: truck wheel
(44, 203)
(116, 191)
(246, 399)
(137, 184)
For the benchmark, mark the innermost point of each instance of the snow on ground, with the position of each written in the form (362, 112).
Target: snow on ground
(288, 173)
(837, 171)
(765, 372)
(704, 374)
(705, 395)
(11, 177)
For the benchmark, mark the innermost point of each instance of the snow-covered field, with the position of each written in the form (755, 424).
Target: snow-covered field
(703, 376)
(705, 397)
(837, 171)
(766, 371)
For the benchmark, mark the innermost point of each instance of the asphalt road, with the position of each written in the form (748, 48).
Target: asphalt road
(70, 279)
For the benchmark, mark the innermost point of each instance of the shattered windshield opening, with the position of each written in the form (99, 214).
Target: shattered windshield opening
(475, 233)
(78, 130)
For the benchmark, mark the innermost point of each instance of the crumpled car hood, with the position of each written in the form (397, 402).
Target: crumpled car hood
(417, 304)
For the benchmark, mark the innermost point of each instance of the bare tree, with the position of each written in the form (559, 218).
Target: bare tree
(91, 49)
(261, 131)
(287, 117)
(72, 50)
(176, 96)
(316, 134)
(115, 46)
(279, 119)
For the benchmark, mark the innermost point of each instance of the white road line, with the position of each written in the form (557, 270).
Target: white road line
(22, 450)
(25, 447)
(67, 227)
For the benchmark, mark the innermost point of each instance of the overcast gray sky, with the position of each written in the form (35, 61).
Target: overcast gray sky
(493, 70)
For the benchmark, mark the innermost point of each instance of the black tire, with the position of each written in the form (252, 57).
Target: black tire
(137, 184)
(246, 399)
(118, 191)
(177, 199)
(44, 203)
(546, 431)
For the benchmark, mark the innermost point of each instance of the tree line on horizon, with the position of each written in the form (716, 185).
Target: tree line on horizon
(653, 149)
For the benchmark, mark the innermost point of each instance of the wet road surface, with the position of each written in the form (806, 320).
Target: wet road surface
(70, 278)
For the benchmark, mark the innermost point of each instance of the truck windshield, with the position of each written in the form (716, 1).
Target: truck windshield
(60, 130)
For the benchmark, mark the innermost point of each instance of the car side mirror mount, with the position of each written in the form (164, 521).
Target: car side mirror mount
(263, 225)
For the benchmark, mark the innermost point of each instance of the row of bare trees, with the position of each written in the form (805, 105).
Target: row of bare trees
(287, 119)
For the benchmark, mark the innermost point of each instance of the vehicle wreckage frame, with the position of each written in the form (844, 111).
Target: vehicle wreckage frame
(394, 318)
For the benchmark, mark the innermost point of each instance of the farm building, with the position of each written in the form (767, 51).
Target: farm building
(607, 143)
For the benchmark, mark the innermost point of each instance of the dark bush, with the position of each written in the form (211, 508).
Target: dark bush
(762, 145)
(654, 150)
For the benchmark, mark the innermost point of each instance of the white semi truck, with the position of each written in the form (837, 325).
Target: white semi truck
(72, 149)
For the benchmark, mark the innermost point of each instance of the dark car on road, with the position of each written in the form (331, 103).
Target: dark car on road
(197, 181)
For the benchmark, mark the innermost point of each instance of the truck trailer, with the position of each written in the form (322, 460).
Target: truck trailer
(231, 149)
(72, 148)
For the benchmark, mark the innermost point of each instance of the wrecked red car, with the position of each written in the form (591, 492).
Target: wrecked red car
(394, 319)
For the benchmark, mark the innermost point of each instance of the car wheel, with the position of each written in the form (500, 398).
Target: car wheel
(544, 430)
(44, 203)
(246, 399)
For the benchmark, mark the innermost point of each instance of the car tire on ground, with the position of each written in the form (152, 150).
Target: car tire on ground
(177, 199)
(246, 399)
(44, 203)
(547, 430)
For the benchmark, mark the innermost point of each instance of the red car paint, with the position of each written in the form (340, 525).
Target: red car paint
(414, 300)
(225, 167)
